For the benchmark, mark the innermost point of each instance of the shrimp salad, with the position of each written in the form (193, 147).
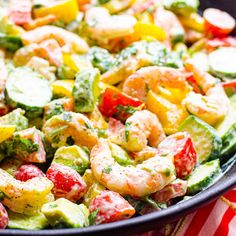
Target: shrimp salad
(111, 109)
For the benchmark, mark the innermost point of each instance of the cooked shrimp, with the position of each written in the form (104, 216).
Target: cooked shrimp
(137, 181)
(140, 129)
(49, 50)
(70, 127)
(103, 27)
(64, 38)
(138, 84)
(214, 105)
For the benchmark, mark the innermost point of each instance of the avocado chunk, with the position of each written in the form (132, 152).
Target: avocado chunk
(62, 213)
(16, 118)
(86, 90)
(27, 222)
(74, 157)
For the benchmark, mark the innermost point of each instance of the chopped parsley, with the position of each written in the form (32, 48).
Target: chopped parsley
(92, 217)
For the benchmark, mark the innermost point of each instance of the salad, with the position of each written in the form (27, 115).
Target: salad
(111, 109)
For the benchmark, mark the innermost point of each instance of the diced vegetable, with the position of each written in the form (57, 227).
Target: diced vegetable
(120, 155)
(62, 88)
(26, 222)
(101, 58)
(217, 22)
(180, 146)
(58, 106)
(223, 62)
(65, 73)
(119, 208)
(177, 188)
(28, 171)
(10, 165)
(60, 9)
(119, 105)
(67, 182)
(230, 87)
(6, 132)
(182, 7)
(74, 157)
(4, 220)
(28, 90)
(10, 42)
(171, 115)
(200, 60)
(15, 118)
(25, 197)
(62, 130)
(64, 214)
(27, 145)
(193, 21)
(86, 90)
(205, 138)
(203, 176)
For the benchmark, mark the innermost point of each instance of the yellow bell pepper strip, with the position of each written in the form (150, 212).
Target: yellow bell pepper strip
(171, 115)
(75, 63)
(142, 29)
(6, 132)
(62, 88)
(194, 21)
(65, 11)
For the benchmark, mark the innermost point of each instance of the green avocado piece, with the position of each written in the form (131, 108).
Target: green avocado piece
(63, 213)
(182, 7)
(74, 157)
(86, 90)
(16, 118)
(26, 222)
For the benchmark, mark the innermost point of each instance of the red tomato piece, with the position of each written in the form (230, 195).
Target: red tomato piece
(218, 23)
(28, 171)
(180, 145)
(3, 217)
(175, 189)
(229, 87)
(38, 156)
(111, 207)
(20, 11)
(67, 182)
(215, 43)
(119, 105)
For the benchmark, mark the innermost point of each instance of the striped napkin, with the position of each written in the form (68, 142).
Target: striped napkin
(216, 219)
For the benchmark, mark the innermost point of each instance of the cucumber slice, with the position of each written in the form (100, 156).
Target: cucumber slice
(205, 138)
(227, 130)
(203, 176)
(26, 89)
(200, 60)
(223, 62)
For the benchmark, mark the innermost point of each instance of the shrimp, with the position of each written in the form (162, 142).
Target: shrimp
(102, 26)
(138, 84)
(49, 50)
(141, 128)
(143, 179)
(69, 127)
(63, 37)
(214, 105)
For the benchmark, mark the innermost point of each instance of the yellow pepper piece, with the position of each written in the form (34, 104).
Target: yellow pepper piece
(148, 29)
(145, 17)
(75, 63)
(173, 95)
(194, 21)
(63, 88)
(103, 86)
(171, 115)
(66, 10)
(6, 131)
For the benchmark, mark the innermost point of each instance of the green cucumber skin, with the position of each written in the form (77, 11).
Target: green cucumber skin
(229, 143)
(30, 112)
(205, 181)
(216, 140)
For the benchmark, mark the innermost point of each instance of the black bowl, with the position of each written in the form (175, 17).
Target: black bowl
(157, 219)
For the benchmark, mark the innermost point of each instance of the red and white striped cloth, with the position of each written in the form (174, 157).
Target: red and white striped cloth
(216, 219)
